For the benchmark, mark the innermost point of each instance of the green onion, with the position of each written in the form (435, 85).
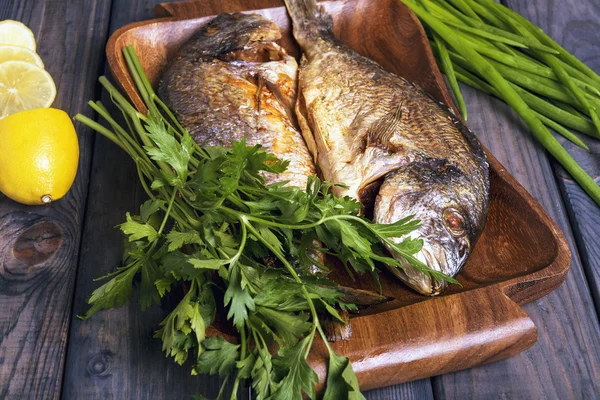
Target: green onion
(523, 102)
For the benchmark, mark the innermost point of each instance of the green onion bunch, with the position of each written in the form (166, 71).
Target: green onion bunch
(497, 51)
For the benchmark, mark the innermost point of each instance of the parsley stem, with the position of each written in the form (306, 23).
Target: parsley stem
(242, 357)
(166, 217)
(238, 254)
(252, 218)
(90, 123)
(294, 275)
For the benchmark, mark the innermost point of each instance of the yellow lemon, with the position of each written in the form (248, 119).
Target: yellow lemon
(24, 86)
(15, 33)
(39, 154)
(16, 53)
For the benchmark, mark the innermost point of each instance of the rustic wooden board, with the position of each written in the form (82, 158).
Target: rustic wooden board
(39, 245)
(575, 25)
(520, 254)
(100, 363)
(565, 359)
(114, 355)
(565, 362)
(134, 354)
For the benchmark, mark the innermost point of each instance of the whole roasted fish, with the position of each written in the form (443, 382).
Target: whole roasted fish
(232, 81)
(378, 133)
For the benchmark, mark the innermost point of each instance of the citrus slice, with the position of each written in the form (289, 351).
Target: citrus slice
(24, 86)
(16, 53)
(15, 33)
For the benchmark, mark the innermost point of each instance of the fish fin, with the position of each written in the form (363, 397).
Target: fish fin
(380, 132)
(309, 20)
(361, 298)
(260, 84)
(286, 101)
(302, 10)
(307, 133)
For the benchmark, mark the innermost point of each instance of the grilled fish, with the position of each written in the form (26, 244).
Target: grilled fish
(379, 134)
(232, 81)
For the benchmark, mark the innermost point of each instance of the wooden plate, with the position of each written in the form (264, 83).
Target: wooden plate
(521, 256)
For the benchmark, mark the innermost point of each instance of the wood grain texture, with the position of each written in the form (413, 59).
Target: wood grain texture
(565, 361)
(576, 27)
(39, 245)
(520, 251)
(114, 355)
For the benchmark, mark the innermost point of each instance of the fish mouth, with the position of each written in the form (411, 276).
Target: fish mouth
(432, 255)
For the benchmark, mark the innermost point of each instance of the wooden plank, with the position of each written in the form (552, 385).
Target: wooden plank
(574, 24)
(565, 361)
(113, 354)
(39, 245)
(416, 390)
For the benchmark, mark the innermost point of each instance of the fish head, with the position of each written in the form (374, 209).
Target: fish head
(450, 223)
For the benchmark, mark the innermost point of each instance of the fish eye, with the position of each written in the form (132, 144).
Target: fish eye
(454, 222)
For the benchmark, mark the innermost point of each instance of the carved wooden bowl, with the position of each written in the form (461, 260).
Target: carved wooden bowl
(521, 255)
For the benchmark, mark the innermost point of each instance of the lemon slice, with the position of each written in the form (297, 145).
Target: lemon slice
(24, 86)
(15, 33)
(16, 53)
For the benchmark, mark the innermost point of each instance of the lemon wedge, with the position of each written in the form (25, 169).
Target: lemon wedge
(15, 33)
(24, 86)
(16, 53)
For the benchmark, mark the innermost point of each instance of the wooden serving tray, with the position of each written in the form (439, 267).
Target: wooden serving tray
(521, 255)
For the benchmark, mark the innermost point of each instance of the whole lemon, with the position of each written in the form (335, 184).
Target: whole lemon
(39, 154)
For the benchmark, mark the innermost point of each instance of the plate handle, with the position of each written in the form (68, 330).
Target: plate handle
(440, 335)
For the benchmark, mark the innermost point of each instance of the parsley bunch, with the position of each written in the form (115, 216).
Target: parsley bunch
(212, 226)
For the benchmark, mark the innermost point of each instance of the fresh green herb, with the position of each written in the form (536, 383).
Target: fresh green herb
(494, 49)
(210, 225)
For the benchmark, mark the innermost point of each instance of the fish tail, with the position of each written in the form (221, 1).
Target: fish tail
(310, 21)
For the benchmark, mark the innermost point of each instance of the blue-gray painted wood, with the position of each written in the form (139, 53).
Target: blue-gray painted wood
(39, 245)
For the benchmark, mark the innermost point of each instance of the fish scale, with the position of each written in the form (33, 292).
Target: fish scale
(231, 81)
(366, 126)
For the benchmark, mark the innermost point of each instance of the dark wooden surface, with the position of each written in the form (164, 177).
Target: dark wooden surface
(532, 263)
(50, 254)
(39, 246)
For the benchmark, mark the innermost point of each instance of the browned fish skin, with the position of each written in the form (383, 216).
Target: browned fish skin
(232, 81)
(367, 126)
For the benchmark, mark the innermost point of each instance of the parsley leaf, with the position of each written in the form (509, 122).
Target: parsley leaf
(184, 328)
(177, 239)
(137, 230)
(341, 380)
(219, 356)
(149, 293)
(262, 374)
(290, 326)
(149, 208)
(113, 293)
(238, 298)
(167, 149)
(297, 376)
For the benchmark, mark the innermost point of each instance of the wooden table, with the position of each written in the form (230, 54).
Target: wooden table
(49, 255)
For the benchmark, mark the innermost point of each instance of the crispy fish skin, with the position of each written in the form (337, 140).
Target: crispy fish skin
(368, 127)
(232, 81)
